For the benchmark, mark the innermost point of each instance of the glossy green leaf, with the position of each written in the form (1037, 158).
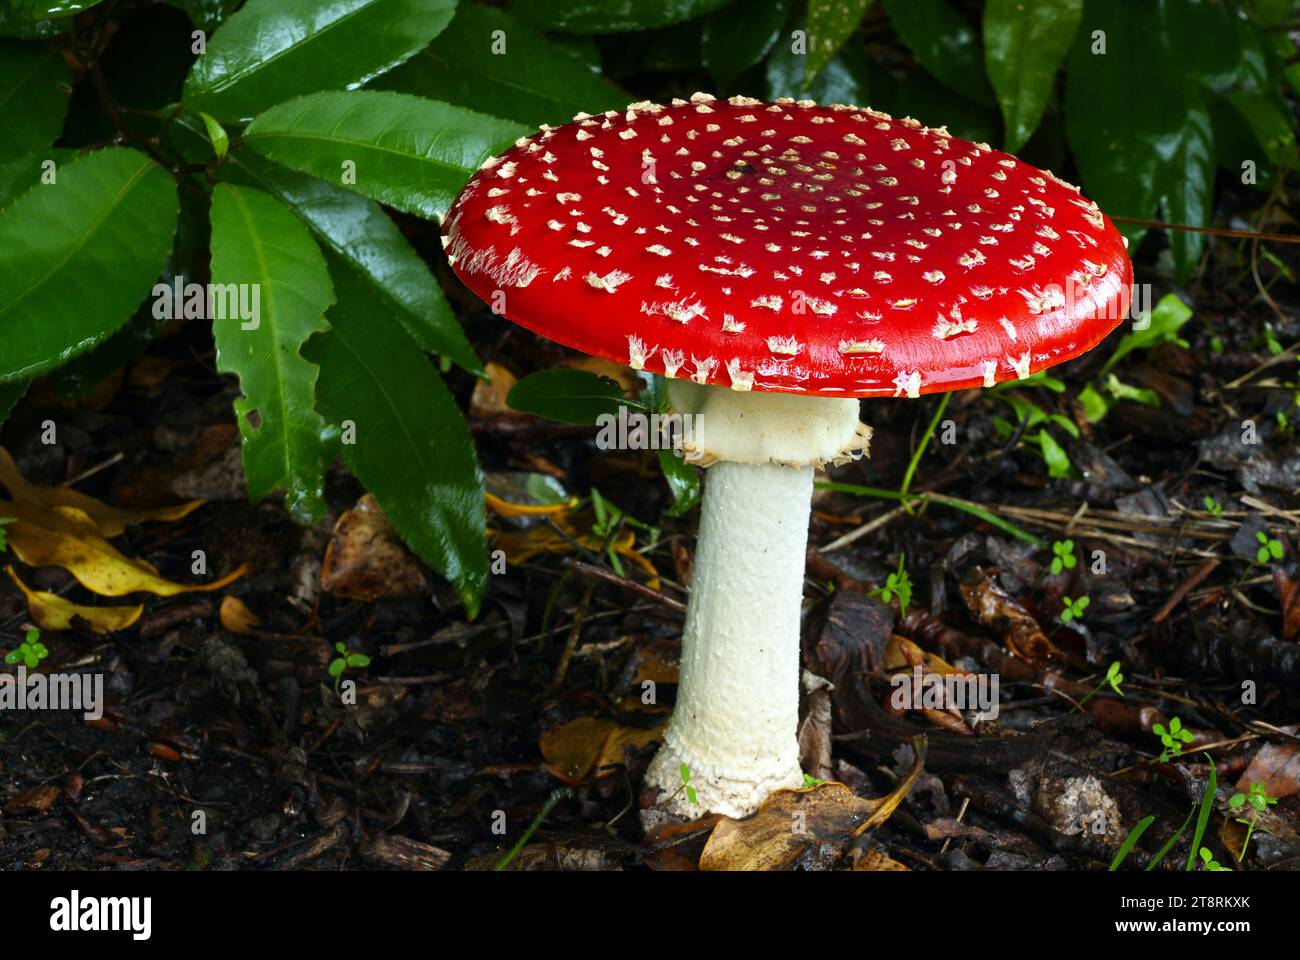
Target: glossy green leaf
(683, 480)
(830, 23)
(1167, 318)
(609, 16)
(1054, 455)
(216, 135)
(739, 36)
(358, 231)
(46, 9)
(408, 152)
(34, 87)
(78, 255)
(1187, 184)
(271, 50)
(489, 61)
(206, 14)
(19, 176)
(1024, 45)
(846, 79)
(412, 449)
(261, 246)
(1270, 119)
(945, 43)
(568, 396)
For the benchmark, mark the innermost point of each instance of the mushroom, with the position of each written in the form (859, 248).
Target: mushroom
(777, 261)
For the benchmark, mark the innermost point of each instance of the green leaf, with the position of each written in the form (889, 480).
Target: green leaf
(945, 43)
(517, 73)
(217, 134)
(608, 16)
(1203, 818)
(1187, 195)
(846, 79)
(413, 451)
(1095, 406)
(337, 666)
(1024, 45)
(921, 95)
(1134, 836)
(739, 36)
(1166, 320)
(256, 241)
(410, 153)
(34, 88)
(272, 50)
(1269, 119)
(568, 396)
(78, 255)
(358, 231)
(1054, 455)
(830, 23)
(19, 176)
(206, 14)
(683, 481)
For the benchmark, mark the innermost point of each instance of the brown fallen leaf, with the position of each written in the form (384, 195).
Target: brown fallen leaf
(576, 750)
(67, 537)
(994, 608)
(1277, 766)
(366, 560)
(489, 396)
(237, 618)
(33, 800)
(877, 862)
(802, 827)
(51, 612)
(109, 521)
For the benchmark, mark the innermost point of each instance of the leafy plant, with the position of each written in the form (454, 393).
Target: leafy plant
(345, 661)
(1259, 800)
(1172, 738)
(685, 773)
(1270, 548)
(1113, 678)
(897, 584)
(1063, 557)
(1213, 507)
(30, 652)
(1073, 608)
(1207, 858)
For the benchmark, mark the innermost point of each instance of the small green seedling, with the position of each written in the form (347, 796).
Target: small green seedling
(809, 781)
(4, 543)
(346, 661)
(1213, 507)
(1063, 557)
(1073, 608)
(897, 584)
(685, 772)
(1113, 677)
(1257, 798)
(30, 652)
(1269, 548)
(1211, 864)
(1173, 738)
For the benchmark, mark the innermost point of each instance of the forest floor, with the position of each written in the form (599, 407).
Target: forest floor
(224, 744)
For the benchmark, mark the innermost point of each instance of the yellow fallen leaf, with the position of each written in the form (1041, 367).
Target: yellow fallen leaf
(796, 826)
(237, 618)
(66, 537)
(110, 521)
(52, 612)
(576, 750)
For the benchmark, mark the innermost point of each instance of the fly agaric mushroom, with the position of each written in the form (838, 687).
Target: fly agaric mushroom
(777, 261)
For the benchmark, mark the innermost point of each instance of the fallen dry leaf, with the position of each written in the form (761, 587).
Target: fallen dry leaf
(237, 618)
(51, 612)
(994, 608)
(576, 750)
(109, 521)
(877, 862)
(489, 396)
(521, 546)
(1277, 766)
(67, 537)
(802, 827)
(366, 560)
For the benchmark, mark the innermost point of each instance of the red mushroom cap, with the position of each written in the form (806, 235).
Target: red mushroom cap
(790, 247)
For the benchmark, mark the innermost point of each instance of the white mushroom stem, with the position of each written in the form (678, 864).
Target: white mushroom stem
(734, 726)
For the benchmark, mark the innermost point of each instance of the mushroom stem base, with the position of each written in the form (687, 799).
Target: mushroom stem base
(737, 710)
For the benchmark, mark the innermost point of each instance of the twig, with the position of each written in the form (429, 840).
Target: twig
(1186, 587)
(593, 572)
